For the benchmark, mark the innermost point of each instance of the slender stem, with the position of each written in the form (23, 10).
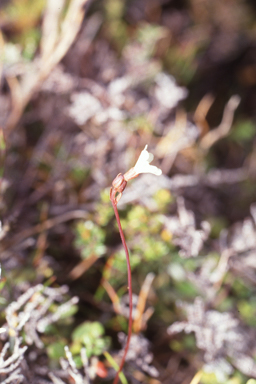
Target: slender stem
(129, 274)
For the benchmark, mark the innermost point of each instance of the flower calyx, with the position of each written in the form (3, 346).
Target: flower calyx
(118, 185)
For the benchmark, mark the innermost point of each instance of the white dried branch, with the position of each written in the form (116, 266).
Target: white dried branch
(55, 379)
(16, 305)
(220, 335)
(185, 235)
(14, 378)
(43, 323)
(50, 27)
(33, 317)
(52, 54)
(13, 361)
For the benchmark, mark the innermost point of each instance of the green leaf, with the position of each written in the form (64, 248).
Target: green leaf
(116, 367)
(56, 350)
(243, 131)
(70, 312)
(2, 283)
(90, 334)
(86, 329)
(2, 141)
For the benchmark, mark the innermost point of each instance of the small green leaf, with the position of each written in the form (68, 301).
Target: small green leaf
(243, 131)
(2, 283)
(56, 350)
(2, 140)
(70, 312)
(116, 367)
(94, 329)
(90, 334)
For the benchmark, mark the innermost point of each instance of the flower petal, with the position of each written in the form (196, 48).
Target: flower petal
(152, 169)
(150, 157)
(143, 163)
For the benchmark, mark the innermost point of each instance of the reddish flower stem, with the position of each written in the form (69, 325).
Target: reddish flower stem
(129, 275)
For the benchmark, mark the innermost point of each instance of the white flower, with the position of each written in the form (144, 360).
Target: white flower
(142, 166)
(143, 163)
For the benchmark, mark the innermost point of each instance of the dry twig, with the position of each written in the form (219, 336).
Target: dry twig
(54, 46)
(223, 129)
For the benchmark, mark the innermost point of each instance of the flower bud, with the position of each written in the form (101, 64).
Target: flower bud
(119, 183)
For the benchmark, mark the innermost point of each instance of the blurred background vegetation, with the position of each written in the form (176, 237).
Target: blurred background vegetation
(85, 85)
